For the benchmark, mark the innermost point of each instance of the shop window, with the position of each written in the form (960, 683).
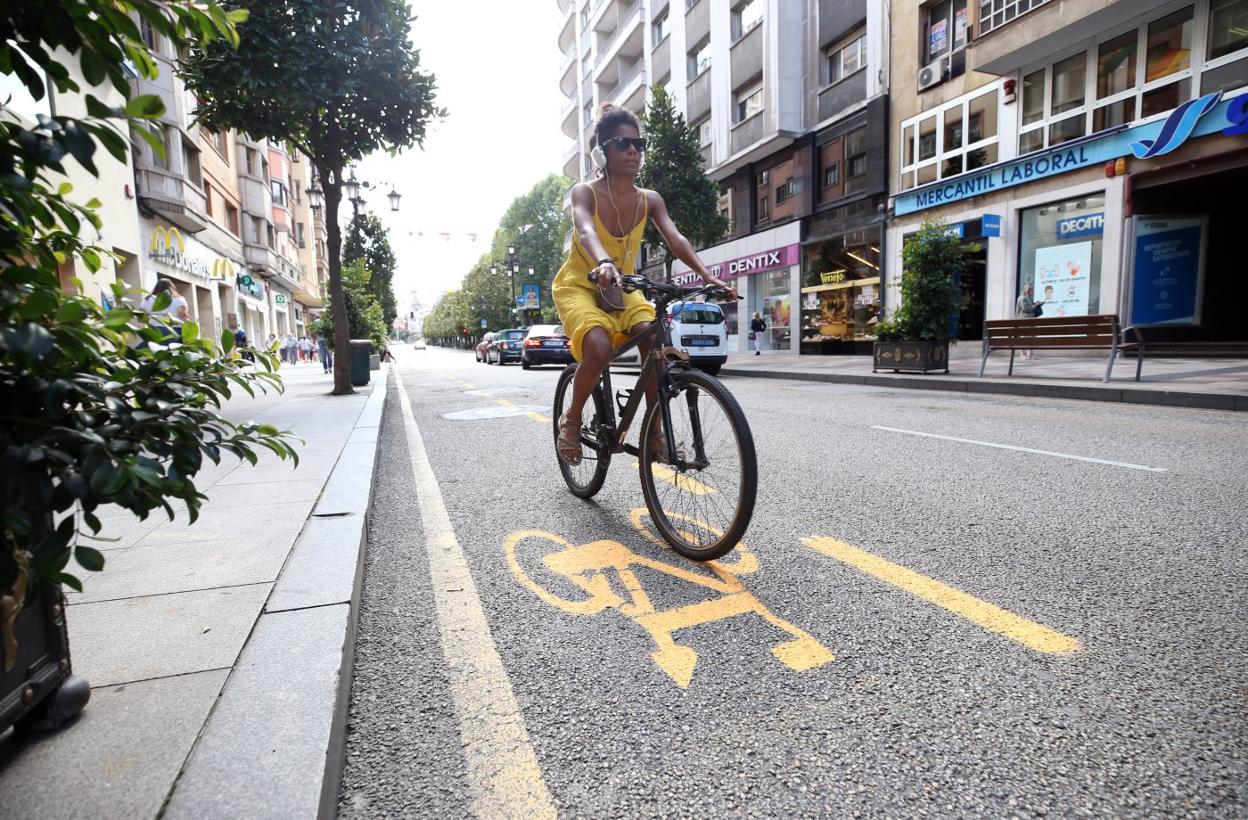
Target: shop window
(745, 17)
(845, 58)
(1115, 65)
(856, 160)
(1228, 28)
(1068, 84)
(944, 29)
(1169, 45)
(699, 59)
(958, 137)
(1060, 255)
(840, 297)
(749, 101)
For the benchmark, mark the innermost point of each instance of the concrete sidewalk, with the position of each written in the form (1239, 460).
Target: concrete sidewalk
(1218, 384)
(219, 653)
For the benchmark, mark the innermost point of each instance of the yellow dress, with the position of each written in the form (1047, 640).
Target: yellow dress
(574, 293)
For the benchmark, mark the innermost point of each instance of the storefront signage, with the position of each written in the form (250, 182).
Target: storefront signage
(832, 277)
(1077, 226)
(747, 265)
(1167, 270)
(1063, 278)
(279, 298)
(990, 225)
(188, 256)
(1228, 116)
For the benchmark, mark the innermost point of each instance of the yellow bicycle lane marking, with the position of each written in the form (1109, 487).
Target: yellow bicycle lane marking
(590, 567)
(989, 616)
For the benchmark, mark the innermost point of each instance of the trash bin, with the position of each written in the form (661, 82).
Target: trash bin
(361, 350)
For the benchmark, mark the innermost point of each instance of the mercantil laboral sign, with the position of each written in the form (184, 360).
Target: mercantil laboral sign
(1196, 118)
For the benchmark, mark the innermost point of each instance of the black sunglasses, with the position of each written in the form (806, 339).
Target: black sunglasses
(622, 143)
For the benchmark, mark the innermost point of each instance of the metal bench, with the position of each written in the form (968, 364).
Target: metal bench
(1100, 332)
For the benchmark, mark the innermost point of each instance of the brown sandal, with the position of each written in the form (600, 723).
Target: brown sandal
(568, 444)
(658, 447)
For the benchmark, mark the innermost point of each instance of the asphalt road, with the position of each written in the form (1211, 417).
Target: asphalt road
(916, 626)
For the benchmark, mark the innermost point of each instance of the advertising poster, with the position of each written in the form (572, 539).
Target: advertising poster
(1063, 277)
(938, 35)
(530, 296)
(1165, 283)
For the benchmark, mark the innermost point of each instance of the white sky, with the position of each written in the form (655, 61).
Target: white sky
(496, 65)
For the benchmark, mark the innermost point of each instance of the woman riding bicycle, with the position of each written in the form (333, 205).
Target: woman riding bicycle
(606, 242)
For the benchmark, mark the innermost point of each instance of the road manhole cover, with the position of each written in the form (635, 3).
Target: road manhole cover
(496, 412)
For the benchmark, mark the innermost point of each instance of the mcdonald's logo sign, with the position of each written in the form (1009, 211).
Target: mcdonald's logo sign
(222, 269)
(166, 242)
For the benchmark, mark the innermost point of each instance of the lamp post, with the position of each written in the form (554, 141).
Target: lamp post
(512, 268)
(354, 190)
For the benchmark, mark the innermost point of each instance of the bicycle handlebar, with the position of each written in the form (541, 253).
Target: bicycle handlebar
(672, 292)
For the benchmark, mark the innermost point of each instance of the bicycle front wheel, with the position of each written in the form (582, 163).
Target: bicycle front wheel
(702, 503)
(584, 479)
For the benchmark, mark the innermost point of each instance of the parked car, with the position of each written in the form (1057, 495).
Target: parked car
(483, 345)
(419, 344)
(506, 346)
(545, 344)
(699, 329)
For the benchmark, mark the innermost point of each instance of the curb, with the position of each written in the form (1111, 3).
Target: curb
(281, 717)
(1125, 395)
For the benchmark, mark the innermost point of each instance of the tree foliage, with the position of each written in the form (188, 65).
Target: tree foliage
(337, 80)
(365, 317)
(368, 242)
(932, 260)
(673, 167)
(100, 407)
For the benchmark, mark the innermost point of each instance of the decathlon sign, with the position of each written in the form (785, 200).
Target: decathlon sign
(1197, 118)
(1077, 226)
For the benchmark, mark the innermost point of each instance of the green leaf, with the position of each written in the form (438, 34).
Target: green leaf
(145, 106)
(227, 340)
(190, 331)
(89, 558)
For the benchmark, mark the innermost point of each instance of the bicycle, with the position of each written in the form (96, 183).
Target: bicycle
(700, 490)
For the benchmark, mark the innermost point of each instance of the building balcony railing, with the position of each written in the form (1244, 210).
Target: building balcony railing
(627, 83)
(628, 20)
(176, 199)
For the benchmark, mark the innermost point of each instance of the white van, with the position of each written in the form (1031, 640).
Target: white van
(699, 329)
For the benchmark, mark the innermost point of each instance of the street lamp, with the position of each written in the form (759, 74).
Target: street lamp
(394, 196)
(316, 197)
(351, 188)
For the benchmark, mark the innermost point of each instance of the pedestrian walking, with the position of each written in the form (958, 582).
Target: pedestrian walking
(240, 342)
(305, 349)
(292, 348)
(758, 327)
(172, 315)
(1026, 308)
(327, 355)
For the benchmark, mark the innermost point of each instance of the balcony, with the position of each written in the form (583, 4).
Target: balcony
(698, 96)
(836, 98)
(627, 37)
(698, 23)
(567, 31)
(631, 81)
(567, 74)
(748, 131)
(746, 58)
(838, 17)
(661, 59)
(176, 199)
(572, 161)
(1047, 29)
(568, 117)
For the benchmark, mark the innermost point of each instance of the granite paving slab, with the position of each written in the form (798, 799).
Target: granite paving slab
(322, 566)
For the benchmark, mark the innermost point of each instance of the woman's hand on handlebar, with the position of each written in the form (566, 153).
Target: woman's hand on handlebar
(720, 283)
(605, 275)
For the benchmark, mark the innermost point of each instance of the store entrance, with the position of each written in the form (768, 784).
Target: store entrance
(1219, 195)
(974, 281)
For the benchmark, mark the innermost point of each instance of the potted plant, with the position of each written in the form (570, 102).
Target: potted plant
(918, 336)
(101, 405)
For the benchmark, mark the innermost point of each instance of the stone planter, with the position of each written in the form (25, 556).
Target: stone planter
(919, 357)
(37, 690)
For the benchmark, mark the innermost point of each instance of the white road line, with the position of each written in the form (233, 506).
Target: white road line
(503, 773)
(1023, 449)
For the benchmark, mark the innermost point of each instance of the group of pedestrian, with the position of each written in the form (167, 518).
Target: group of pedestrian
(295, 349)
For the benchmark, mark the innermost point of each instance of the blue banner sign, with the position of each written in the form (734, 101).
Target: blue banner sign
(1079, 226)
(1199, 120)
(990, 225)
(530, 296)
(1167, 271)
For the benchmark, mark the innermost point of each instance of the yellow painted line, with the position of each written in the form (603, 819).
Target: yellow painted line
(504, 776)
(534, 416)
(989, 616)
(680, 480)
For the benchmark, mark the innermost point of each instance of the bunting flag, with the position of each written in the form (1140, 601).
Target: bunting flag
(445, 236)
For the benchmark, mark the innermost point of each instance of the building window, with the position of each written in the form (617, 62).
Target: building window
(1228, 27)
(231, 218)
(958, 137)
(208, 199)
(660, 28)
(190, 164)
(279, 192)
(856, 160)
(704, 132)
(764, 209)
(749, 101)
(700, 59)
(944, 30)
(1169, 45)
(151, 37)
(255, 231)
(299, 235)
(159, 159)
(745, 17)
(251, 161)
(832, 175)
(264, 170)
(994, 13)
(1063, 270)
(218, 142)
(690, 4)
(785, 190)
(845, 58)
(272, 239)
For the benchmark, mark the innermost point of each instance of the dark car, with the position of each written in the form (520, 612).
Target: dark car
(483, 345)
(545, 344)
(506, 346)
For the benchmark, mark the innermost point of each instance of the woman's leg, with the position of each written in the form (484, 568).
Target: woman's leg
(595, 354)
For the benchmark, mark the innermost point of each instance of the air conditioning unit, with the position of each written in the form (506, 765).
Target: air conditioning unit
(932, 73)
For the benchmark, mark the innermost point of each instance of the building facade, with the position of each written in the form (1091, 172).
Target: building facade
(789, 98)
(1093, 150)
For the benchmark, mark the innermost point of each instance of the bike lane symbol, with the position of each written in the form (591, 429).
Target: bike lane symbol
(586, 566)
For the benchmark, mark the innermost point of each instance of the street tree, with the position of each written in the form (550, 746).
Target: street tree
(338, 81)
(536, 224)
(365, 316)
(368, 241)
(673, 167)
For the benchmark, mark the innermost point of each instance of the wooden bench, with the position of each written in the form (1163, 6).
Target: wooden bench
(1060, 333)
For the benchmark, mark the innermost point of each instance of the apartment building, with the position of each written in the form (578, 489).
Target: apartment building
(1095, 149)
(313, 266)
(790, 100)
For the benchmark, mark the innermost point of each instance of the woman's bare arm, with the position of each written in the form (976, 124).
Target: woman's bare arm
(583, 224)
(675, 240)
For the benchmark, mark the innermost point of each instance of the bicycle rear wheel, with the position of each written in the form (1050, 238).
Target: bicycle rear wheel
(704, 508)
(585, 479)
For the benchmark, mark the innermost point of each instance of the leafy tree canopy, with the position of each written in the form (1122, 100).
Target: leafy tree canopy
(365, 319)
(368, 241)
